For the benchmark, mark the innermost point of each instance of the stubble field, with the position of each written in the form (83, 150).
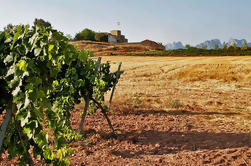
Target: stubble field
(173, 111)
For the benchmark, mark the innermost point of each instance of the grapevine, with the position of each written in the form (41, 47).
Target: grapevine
(42, 77)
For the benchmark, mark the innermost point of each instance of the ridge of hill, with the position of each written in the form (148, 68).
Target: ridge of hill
(102, 48)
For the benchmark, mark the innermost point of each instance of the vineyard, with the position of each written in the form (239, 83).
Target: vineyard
(56, 105)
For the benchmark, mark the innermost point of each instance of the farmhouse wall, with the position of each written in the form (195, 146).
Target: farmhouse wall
(116, 32)
(115, 37)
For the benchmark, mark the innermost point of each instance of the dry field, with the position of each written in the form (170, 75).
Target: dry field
(158, 81)
(174, 111)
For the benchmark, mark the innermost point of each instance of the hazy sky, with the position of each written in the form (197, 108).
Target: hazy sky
(189, 21)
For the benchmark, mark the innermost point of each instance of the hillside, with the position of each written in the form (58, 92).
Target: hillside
(101, 48)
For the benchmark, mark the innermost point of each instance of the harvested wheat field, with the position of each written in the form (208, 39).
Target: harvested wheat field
(173, 111)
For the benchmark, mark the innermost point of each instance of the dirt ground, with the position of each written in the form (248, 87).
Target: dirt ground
(172, 111)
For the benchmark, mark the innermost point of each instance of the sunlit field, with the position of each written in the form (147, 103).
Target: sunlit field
(156, 81)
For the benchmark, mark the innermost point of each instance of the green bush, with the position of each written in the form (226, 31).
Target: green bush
(42, 23)
(86, 34)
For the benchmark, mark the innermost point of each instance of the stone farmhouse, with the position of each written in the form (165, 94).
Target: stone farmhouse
(115, 37)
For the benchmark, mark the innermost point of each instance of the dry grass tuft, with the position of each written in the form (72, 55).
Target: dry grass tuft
(176, 104)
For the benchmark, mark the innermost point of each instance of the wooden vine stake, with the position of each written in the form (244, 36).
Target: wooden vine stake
(6, 120)
(114, 86)
(4, 125)
(110, 101)
(87, 100)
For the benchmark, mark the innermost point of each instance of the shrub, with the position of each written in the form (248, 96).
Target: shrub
(86, 34)
(42, 23)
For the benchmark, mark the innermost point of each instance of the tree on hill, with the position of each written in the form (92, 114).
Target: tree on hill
(69, 37)
(204, 47)
(85, 34)
(101, 37)
(225, 47)
(231, 48)
(187, 46)
(244, 47)
(42, 23)
(216, 47)
(235, 47)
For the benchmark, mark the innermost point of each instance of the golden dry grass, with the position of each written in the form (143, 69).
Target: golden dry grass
(211, 87)
(218, 84)
(237, 73)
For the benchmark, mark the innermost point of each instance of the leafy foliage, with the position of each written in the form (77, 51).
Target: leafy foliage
(204, 47)
(187, 46)
(86, 34)
(104, 82)
(244, 47)
(8, 27)
(42, 77)
(216, 47)
(41, 22)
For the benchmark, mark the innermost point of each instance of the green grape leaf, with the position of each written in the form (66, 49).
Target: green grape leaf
(22, 65)
(8, 59)
(25, 120)
(26, 102)
(37, 51)
(50, 47)
(16, 35)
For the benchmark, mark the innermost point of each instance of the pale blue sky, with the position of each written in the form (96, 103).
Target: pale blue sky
(188, 21)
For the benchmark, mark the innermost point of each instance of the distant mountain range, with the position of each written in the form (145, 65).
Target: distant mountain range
(209, 44)
(174, 45)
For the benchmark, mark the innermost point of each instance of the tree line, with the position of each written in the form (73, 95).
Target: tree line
(232, 50)
(85, 34)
